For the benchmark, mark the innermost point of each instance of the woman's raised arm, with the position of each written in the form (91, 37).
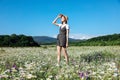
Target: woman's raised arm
(54, 21)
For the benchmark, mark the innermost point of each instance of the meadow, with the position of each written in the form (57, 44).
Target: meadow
(39, 63)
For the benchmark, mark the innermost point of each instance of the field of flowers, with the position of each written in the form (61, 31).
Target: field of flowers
(39, 63)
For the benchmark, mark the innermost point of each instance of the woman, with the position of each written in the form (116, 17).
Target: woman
(62, 38)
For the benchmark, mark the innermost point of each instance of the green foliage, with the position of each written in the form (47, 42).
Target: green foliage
(108, 40)
(16, 41)
(97, 56)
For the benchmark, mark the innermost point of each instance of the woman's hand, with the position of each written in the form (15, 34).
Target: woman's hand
(66, 44)
(58, 16)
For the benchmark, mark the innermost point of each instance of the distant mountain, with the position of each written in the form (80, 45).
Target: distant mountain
(46, 39)
(43, 39)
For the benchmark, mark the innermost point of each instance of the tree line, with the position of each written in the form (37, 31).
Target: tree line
(17, 41)
(108, 40)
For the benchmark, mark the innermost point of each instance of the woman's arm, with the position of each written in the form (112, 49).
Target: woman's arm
(54, 21)
(67, 37)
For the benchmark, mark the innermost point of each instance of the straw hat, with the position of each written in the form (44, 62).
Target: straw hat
(66, 17)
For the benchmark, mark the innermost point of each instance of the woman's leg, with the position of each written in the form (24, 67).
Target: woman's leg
(65, 54)
(58, 54)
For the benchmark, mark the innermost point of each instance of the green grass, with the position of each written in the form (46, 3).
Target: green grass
(39, 63)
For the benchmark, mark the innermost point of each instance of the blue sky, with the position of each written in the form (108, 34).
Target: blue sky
(87, 18)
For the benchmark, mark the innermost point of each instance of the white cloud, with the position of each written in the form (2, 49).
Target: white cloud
(55, 36)
(79, 36)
